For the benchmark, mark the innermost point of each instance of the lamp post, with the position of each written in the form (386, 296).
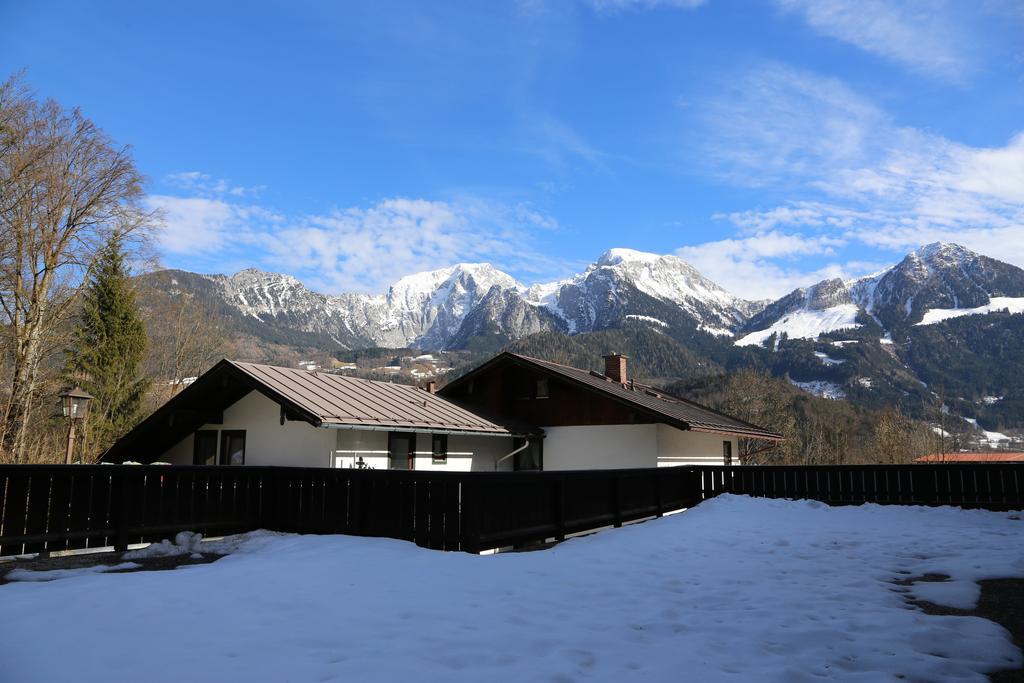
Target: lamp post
(75, 404)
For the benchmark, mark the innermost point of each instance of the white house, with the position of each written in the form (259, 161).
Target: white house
(512, 412)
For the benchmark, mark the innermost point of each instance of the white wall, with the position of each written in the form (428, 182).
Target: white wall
(299, 444)
(468, 452)
(615, 446)
(267, 441)
(679, 447)
(600, 447)
(371, 446)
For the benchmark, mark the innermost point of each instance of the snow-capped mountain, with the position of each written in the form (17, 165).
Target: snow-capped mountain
(933, 283)
(928, 327)
(425, 309)
(449, 307)
(626, 284)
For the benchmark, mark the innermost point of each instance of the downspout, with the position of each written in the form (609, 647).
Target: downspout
(509, 455)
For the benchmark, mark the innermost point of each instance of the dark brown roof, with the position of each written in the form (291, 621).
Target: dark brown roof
(332, 399)
(670, 409)
(322, 399)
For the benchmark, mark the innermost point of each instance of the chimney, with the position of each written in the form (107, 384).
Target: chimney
(431, 385)
(615, 368)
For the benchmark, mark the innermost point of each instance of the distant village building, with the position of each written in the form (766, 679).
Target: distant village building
(511, 413)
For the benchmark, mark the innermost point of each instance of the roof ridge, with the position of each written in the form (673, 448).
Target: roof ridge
(662, 397)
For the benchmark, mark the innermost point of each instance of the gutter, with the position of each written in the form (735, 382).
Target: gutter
(419, 430)
(509, 455)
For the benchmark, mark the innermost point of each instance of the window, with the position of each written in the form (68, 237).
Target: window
(542, 387)
(727, 452)
(232, 447)
(402, 450)
(439, 455)
(204, 447)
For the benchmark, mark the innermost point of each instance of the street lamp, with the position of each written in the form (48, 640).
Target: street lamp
(75, 404)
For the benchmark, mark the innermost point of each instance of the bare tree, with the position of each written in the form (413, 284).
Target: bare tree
(898, 439)
(65, 190)
(185, 339)
(752, 396)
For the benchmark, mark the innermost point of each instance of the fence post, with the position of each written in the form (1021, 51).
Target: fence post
(617, 500)
(658, 507)
(268, 500)
(120, 508)
(559, 504)
(470, 513)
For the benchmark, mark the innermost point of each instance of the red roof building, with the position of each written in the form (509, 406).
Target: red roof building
(1003, 457)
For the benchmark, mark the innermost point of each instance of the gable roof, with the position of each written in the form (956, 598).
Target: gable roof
(327, 399)
(319, 398)
(662, 407)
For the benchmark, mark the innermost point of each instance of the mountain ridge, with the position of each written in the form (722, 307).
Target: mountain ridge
(941, 325)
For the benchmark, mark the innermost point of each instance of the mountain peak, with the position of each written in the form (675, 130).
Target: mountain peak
(941, 249)
(251, 275)
(484, 274)
(619, 255)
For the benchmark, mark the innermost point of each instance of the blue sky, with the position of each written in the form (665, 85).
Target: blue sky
(771, 144)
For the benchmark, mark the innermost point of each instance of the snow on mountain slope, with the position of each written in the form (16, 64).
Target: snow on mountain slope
(806, 324)
(930, 284)
(423, 308)
(996, 304)
(429, 309)
(624, 281)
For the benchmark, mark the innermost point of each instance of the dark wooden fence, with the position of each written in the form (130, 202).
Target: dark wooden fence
(48, 508)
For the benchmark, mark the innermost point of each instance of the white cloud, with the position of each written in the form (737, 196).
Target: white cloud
(557, 143)
(192, 224)
(197, 182)
(769, 264)
(776, 123)
(926, 36)
(860, 175)
(357, 248)
(620, 5)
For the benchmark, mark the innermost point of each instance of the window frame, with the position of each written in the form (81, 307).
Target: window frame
(439, 457)
(205, 433)
(542, 388)
(727, 453)
(225, 436)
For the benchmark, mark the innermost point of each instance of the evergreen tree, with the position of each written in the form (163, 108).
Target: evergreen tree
(107, 349)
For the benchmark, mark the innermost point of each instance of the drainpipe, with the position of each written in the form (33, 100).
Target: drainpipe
(509, 455)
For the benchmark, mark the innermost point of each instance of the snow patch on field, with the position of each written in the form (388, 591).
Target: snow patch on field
(54, 574)
(828, 360)
(806, 324)
(647, 319)
(737, 589)
(821, 388)
(996, 304)
(993, 438)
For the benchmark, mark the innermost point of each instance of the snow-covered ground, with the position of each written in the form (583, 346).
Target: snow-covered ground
(996, 303)
(827, 359)
(737, 589)
(806, 324)
(822, 388)
(993, 438)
